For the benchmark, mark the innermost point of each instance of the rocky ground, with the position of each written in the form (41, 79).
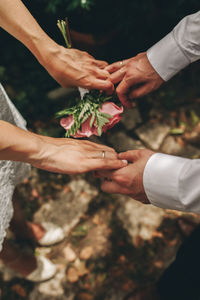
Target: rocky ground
(113, 244)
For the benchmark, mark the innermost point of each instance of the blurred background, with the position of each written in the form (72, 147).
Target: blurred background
(127, 245)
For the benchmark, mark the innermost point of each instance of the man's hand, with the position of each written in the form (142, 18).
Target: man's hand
(136, 76)
(128, 180)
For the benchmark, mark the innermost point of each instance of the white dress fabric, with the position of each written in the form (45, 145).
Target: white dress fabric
(11, 173)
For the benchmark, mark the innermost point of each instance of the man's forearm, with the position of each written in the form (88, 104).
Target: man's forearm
(178, 49)
(17, 20)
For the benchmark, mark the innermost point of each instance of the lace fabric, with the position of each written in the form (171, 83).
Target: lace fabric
(11, 173)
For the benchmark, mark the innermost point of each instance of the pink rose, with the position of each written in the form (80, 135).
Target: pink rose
(108, 108)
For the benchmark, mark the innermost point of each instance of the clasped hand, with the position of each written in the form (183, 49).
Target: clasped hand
(136, 78)
(128, 180)
(70, 156)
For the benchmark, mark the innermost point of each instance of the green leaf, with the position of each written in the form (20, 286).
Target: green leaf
(87, 115)
(92, 120)
(194, 117)
(66, 111)
(99, 130)
(177, 131)
(106, 115)
(86, 107)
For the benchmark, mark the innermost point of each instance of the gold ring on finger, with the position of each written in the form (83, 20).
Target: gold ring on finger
(103, 154)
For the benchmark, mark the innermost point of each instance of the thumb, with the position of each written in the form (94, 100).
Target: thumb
(131, 155)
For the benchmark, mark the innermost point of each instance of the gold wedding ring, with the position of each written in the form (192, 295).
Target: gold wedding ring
(103, 154)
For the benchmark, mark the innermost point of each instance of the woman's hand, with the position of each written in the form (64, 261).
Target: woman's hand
(71, 67)
(67, 156)
(74, 156)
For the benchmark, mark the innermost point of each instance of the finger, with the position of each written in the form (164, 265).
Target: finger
(116, 66)
(118, 76)
(106, 174)
(105, 164)
(102, 154)
(116, 175)
(140, 91)
(101, 64)
(113, 67)
(99, 73)
(122, 92)
(130, 155)
(102, 74)
(113, 188)
(105, 85)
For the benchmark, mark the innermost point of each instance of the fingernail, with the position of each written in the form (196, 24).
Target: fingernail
(125, 161)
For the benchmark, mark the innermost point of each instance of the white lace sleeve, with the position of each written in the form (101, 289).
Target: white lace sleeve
(11, 173)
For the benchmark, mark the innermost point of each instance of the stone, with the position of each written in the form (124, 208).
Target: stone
(81, 267)
(69, 254)
(98, 238)
(72, 275)
(51, 289)
(150, 230)
(84, 296)
(131, 118)
(67, 210)
(139, 220)
(86, 253)
(114, 294)
(153, 134)
(122, 142)
(173, 147)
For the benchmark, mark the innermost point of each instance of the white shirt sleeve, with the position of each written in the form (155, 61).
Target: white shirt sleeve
(173, 182)
(177, 49)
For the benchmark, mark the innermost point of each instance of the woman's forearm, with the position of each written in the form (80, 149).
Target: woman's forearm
(55, 155)
(19, 145)
(16, 19)
(69, 67)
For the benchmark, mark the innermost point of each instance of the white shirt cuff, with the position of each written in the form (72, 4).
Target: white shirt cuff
(167, 58)
(161, 180)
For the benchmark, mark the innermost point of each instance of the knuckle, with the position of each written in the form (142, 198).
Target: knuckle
(119, 178)
(104, 187)
(119, 91)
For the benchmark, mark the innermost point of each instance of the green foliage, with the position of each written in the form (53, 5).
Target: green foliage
(86, 108)
(54, 5)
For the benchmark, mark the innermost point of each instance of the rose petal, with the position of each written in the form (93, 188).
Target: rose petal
(111, 109)
(67, 122)
(108, 107)
(112, 123)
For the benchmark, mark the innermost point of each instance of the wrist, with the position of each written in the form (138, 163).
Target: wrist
(40, 153)
(43, 48)
(19, 144)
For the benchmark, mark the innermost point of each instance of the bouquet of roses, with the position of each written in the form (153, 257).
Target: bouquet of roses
(94, 113)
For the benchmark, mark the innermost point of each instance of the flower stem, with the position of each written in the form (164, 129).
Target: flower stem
(64, 29)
